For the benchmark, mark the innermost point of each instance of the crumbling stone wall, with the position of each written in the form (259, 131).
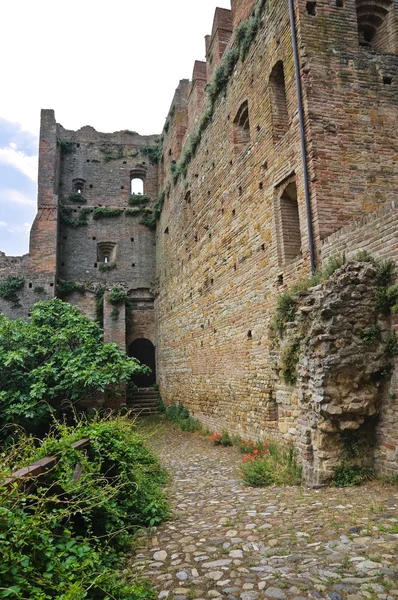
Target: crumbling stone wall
(336, 353)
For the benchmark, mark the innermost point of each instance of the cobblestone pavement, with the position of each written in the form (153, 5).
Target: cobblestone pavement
(229, 541)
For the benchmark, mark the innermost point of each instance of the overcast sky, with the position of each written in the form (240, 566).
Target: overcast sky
(113, 65)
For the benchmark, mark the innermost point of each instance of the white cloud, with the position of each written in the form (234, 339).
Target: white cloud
(12, 157)
(16, 197)
(25, 228)
(3, 224)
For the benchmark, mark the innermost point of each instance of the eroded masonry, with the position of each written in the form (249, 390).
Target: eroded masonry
(280, 155)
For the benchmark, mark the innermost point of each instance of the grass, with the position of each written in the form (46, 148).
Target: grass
(275, 466)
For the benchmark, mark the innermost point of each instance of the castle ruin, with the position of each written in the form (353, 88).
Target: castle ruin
(279, 154)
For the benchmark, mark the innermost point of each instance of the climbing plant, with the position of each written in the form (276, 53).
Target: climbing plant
(9, 289)
(80, 221)
(105, 212)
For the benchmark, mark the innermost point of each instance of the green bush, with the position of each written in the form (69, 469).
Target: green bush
(81, 525)
(347, 475)
(64, 288)
(273, 465)
(9, 289)
(176, 412)
(290, 358)
(190, 424)
(117, 296)
(56, 358)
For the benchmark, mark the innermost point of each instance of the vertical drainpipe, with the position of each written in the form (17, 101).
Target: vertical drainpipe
(302, 135)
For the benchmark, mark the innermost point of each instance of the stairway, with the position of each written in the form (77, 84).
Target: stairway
(144, 401)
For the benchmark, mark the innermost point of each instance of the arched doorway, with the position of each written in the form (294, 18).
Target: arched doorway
(144, 351)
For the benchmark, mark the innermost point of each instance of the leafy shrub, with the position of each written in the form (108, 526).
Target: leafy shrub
(117, 296)
(364, 256)
(385, 273)
(55, 358)
(81, 525)
(347, 475)
(387, 298)
(176, 412)
(106, 267)
(221, 439)
(9, 289)
(104, 212)
(190, 424)
(392, 345)
(273, 465)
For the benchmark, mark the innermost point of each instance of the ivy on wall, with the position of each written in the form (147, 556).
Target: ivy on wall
(9, 289)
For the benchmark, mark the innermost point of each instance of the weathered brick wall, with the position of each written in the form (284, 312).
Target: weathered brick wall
(352, 108)
(227, 241)
(104, 164)
(217, 259)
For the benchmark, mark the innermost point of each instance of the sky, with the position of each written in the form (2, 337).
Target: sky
(113, 65)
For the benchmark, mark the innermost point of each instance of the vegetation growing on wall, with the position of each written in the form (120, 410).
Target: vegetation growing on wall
(105, 212)
(153, 153)
(286, 308)
(112, 153)
(244, 36)
(9, 289)
(106, 267)
(80, 221)
(138, 199)
(65, 288)
(65, 146)
(76, 197)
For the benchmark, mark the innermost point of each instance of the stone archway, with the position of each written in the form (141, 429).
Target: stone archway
(143, 350)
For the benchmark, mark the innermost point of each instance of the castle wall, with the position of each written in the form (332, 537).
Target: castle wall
(231, 237)
(352, 109)
(217, 256)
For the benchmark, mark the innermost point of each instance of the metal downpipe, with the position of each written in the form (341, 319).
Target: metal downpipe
(302, 135)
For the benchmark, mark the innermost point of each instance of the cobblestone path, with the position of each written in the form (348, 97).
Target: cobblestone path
(229, 541)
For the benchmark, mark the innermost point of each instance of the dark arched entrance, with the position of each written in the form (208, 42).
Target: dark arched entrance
(144, 351)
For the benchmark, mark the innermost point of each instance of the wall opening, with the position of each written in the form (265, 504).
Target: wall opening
(137, 181)
(288, 222)
(241, 131)
(106, 252)
(279, 113)
(144, 351)
(78, 186)
(376, 28)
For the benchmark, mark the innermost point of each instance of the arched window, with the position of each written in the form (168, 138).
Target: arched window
(375, 25)
(241, 128)
(78, 186)
(279, 114)
(136, 186)
(288, 222)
